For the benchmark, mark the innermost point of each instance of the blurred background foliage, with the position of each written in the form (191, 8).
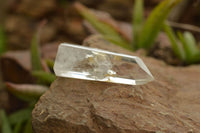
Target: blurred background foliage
(30, 32)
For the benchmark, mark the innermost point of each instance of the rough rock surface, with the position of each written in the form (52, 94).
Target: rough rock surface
(168, 104)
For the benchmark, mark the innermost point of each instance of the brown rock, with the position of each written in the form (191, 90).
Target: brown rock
(48, 33)
(91, 2)
(49, 50)
(15, 66)
(36, 8)
(120, 9)
(4, 99)
(168, 104)
(9, 102)
(162, 50)
(75, 30)
(20, 31)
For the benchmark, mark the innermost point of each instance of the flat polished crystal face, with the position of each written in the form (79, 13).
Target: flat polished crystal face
(74, 61)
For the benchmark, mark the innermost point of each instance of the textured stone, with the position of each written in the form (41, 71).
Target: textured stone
(36, 8)
(168, 104)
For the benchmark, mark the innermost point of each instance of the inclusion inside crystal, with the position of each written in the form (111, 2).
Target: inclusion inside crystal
(74, 61)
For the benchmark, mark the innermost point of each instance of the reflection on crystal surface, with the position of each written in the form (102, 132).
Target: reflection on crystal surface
(80, 62)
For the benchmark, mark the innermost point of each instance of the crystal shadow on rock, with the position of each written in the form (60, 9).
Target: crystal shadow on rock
(74, 61)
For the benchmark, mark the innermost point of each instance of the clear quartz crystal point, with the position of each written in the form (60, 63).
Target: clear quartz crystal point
(74, 61)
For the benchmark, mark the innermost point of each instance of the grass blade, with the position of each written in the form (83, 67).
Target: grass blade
(154, 23)
(35, 54)
(137, 21)
(17, 127)
(185, 47)
(196, 58)
(28, 127)
(6, 127)
(2, 41)
(190, 40)
(177, 48)
(50, 63)
(44, 77)
(193, 51)
(116, 40)
(20, 116)
(103, 28)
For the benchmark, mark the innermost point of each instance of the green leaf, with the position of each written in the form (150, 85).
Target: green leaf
(188, 52)
(154, 23)
(35, 54)
(17, 127)
(177, 48)
(20, 116)
(115, 40)
(105, 29)
(185, 47)
(26, 92)
(191, 42)
(50, 63)
(6, 127)
(137, 21)
(193, 51)
(28, 127)
(2, 41)
(44, 77)
(196, 58)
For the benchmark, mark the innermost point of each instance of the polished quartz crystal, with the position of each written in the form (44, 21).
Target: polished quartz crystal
(74, 61)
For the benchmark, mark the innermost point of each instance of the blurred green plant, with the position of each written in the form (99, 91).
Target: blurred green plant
(20, 116)
(32, 92)
(105, 29)
(50, 63)
(185, 46)
(15, 121)
(144, 32)
(137, 21)
(35, 53)
(20, 121)
(44, 77)
(154, 23)
(6, 127)
(28, 127)
(2, 41)
(26, 92)
(38, 72)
